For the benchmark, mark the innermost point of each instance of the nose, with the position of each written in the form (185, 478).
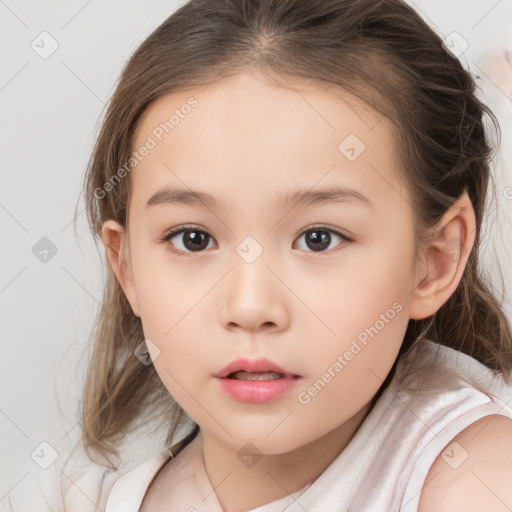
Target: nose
(254, 299)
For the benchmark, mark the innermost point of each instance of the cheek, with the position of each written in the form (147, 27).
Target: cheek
(172, 318)
(373, 283)
(182, 361)
(366, 310)
(166, 292)
(348, 369)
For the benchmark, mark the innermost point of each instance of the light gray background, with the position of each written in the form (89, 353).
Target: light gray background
(50, 111)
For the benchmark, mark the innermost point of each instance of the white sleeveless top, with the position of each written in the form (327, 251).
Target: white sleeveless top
(383, 467)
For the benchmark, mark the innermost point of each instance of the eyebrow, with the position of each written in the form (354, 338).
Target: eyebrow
(172, 196)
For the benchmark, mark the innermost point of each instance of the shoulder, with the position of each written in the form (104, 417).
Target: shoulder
(473, 472)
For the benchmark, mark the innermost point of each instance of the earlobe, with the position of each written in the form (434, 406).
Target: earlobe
(116, 250)
(445, 259)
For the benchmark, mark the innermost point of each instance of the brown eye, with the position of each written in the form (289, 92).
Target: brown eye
(320, 239)
(187, 240)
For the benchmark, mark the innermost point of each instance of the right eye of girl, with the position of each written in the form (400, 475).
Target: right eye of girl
(195, 240)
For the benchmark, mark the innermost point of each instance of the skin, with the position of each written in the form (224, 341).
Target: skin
(482, 480)
(247, 143)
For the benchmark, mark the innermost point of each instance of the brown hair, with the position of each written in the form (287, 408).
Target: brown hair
(378, 50)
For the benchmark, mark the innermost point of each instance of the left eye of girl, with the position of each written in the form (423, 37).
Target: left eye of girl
(318, 238)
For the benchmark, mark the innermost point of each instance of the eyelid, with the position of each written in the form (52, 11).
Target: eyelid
(324, 227)
(320, 227)
(176, 231)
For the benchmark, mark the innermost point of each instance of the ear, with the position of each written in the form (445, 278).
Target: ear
(445, 259)
(117, 252)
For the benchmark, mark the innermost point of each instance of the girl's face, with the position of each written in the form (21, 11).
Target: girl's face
(298, 248)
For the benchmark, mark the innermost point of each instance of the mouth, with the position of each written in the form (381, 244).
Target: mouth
(257, 387)
(256, 381)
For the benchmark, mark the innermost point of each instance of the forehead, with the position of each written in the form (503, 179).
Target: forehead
(244, 131)
(251, 101)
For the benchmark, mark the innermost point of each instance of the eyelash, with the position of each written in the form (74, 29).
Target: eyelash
(182, 229)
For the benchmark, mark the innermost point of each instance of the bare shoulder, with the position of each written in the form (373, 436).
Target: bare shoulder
(474, 471)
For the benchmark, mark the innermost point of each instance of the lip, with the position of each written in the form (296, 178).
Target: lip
(253, 365)
(257, 391)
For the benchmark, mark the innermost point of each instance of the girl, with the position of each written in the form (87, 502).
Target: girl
(290, 194)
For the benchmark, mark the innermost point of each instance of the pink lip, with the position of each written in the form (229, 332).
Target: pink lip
(253, 365)
(257, 391)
